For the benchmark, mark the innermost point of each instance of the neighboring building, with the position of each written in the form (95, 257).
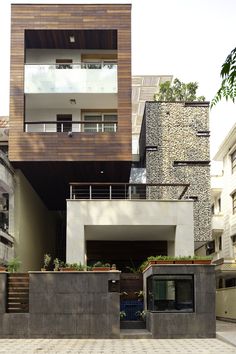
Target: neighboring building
(70, 144)
(7, 188)
(223, 244)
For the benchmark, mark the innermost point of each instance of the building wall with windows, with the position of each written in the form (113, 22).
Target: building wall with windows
(175, 149)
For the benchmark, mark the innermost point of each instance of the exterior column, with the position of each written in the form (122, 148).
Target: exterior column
(184, 240)
(75, 238)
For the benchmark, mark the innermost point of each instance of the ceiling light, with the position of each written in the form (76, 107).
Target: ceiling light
(72, 39)
(72, 101)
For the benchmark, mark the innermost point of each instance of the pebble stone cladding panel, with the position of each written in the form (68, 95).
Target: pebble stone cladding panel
(173, 128)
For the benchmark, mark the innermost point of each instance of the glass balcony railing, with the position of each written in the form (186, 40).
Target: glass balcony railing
(71, 78)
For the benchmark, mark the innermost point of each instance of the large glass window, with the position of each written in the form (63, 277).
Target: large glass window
(170, 293)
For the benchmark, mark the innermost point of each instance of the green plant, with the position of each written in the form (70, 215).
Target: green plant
(178, 91)
(46, 260)
(76, 266)
(141, 315)
(13, 265)
(160, 258)
(122, 315)
(56, 263)
(140, 294)
(98, 264)
(101, 265)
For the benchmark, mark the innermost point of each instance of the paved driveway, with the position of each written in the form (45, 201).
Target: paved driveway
(116, 346)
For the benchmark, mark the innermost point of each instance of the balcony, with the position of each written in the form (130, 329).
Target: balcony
(71, 127)
(217, 223)
(71, 78)
(128, 191)
(6, 247)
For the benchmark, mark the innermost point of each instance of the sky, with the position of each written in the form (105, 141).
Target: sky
(188, 39)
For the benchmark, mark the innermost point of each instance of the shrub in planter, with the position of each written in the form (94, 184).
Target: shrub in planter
(56, 263)
(100, 267)
(73, 267)
(13, 265)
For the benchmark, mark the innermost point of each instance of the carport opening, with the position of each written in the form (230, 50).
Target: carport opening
(127, 255)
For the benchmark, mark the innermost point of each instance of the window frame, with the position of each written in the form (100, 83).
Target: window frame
(176, 278)
(233, 196)
(100, 125)
(233, 161)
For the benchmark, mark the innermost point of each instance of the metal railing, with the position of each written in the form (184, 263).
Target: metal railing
(129, 191)
(79, 65)
(71, 126)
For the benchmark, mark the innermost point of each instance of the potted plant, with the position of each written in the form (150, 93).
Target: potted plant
(56, 263)
(46, 261)
(202, 260)
(13, 265)
(160, 260)
(73, 267)
(3, 268)
(100, 267)
(141, 315)
(122, 315)
(183, 260)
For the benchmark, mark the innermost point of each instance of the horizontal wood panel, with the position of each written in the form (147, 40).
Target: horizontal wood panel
(18, 293)
(44, 147)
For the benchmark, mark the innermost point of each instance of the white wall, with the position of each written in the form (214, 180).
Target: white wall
(49, 56)
(44, 115)
(123, 212)
(225, 303)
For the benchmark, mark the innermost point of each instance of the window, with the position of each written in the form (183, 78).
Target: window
(233, 161)
(212, 209)
(108, 122)
(220, 243)
(204, 133)
(64, 63)
(191, 163)
(234, 203)
(170, 293)
(64, 123)
(219, 205)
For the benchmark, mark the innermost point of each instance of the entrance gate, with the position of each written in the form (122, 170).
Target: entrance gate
(131, 288)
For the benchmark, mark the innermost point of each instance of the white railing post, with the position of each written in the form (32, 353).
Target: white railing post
(129, 192)
(115, 127)
(26, 127)
(71, 192)
(90, 192)
(62, 127)
(44, 127)
(110, 191)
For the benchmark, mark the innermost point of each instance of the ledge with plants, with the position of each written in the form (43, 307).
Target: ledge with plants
(101, 267)
(175, 260)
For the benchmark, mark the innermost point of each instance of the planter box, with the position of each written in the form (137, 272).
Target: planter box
(101, 269)
(160, 262)
(202, 261)
(184, 262)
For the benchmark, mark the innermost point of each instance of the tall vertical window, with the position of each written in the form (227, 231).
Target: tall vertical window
(64, 122)
(233, 161)
(234, 202)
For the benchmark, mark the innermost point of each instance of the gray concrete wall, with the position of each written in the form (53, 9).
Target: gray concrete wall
(173, 128)
(66, 305)
(199, 324)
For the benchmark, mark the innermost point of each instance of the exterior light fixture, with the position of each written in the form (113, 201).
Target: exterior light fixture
(72, 101)
(101, 171)
(72, 39)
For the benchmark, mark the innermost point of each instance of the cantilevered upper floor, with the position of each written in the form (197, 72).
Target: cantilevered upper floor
(70, 83)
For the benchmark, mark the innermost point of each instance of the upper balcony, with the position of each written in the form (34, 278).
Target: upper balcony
(94, 77)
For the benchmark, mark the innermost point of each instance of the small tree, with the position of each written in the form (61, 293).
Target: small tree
(228, 83)
(179, 91)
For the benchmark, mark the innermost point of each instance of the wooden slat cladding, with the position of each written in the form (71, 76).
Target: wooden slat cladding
(81, 147)
(18, 293)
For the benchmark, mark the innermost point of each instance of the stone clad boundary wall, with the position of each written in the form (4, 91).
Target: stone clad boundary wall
(65, 305)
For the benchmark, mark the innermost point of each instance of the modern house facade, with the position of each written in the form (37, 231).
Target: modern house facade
(70, 143)
(223, 244)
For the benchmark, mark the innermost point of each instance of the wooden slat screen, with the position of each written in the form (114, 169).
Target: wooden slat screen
(18, 293)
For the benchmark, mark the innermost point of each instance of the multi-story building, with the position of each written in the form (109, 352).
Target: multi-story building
(223, 244)
(70, 144)
(7, 188)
